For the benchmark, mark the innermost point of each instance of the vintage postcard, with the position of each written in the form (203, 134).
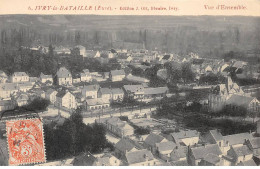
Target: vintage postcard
(129, 83)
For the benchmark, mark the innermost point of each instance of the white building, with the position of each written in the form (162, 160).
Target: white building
(64, 77)
(19, 77)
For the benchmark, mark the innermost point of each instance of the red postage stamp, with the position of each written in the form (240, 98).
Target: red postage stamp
(25, 141)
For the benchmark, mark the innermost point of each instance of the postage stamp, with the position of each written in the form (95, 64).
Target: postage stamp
(25, 141)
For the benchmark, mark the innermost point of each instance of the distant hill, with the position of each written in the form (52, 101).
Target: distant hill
(209, 36)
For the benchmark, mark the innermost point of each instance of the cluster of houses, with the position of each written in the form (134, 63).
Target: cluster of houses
(19, 88)
(180, 148)
(230, 94)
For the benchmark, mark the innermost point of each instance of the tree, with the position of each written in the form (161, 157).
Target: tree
(187, 73)
(38, 104)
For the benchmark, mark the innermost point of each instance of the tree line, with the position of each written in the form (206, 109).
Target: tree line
(74, 137)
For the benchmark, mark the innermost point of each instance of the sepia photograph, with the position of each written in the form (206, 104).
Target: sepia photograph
(129, 90)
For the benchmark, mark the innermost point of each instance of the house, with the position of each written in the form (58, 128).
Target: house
(238, 64)
(185, 138)
(213, 137)
(212, 160)
(65, 98)
(179, 156)
(234, 140)
(223, 67)
(164, 149)
(63, 77)
(221, 93)
(151, 140)
(123, 146)
(8, 89)
(85, 76)
(196, 154)
(25, 86)
(107, 160)
(138, 79)
(97, 55)
(51, 95)
(82, 50)
(254, 145)
(97, 104)
(135, 92)
(19, 77)
(247, 163)
(206, 69)
(105, 94)
(117, 94)
(22, 99)
(154, 93)
(3, 77)
(239, 154)
(252, 104)
(84, 159)
(90, 91)
(46, 78)
(61, 50)
(117, 75)
(6, 105)
(140, 158)
(118, 127)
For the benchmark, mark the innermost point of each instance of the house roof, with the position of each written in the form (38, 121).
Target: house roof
(185, 134)
(61, 93)
(216, 135)
(239, 64)
(84, 159)
(124, 145)
(50, 91)
(97, 101)
(166, 146)
(240, 100)
(105, 91)
(8, 86)
(250, 162)
(237, 138)
(5, 102)
(45, 76)
(152, 139)
(179, 152)
(80, 47)
(91, 88)
(212, 158)
(134, 88)
(157, 90)
(139, 156)
(63, 73)
(137, 79)
(20, 74)
(117, 91)
(117, 72)
(103, 161)
(2, 74)
(255, 142)
(201, 152)
(242, 150)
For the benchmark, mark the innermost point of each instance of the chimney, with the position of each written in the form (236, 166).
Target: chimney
(227, 143)
(146, 157)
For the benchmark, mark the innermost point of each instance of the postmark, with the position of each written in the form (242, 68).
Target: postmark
(25, 141)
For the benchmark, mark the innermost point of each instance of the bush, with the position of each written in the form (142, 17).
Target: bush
(38, 104)
(142, 131)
